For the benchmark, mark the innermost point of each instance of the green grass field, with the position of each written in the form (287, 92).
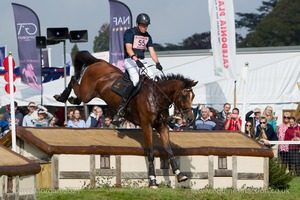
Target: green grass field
(165, 193)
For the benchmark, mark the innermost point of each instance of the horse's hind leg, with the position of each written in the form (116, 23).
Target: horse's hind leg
(66, 93)
(164, 134)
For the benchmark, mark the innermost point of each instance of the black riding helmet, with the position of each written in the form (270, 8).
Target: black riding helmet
(143, 18)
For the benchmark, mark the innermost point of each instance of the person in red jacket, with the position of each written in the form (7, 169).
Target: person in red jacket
(293, 134)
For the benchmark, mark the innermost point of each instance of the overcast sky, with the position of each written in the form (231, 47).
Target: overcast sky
(171, 20)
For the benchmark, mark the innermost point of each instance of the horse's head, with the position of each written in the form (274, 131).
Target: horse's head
(183, 100)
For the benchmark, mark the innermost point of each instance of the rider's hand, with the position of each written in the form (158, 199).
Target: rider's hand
(139, 64)
(158, 66)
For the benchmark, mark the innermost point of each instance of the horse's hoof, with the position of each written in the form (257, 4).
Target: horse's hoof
(181, 178)
(153, 184)
(75, 101)
(58, 98)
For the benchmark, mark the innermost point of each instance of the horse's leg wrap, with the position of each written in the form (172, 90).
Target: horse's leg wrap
(152, 177)
(180, 177)
(66, 93)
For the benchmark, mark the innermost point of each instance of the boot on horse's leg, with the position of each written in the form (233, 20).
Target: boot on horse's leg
(180, 176)
(65, 94)
(125, 100)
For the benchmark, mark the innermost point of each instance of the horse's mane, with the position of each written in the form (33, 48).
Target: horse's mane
(170, 77)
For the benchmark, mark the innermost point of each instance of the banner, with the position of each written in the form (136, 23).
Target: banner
(27, 28)
(223, 40)
(120, 21)
(2, 55)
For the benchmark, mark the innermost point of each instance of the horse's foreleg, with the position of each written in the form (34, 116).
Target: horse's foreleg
(164, 133)
(150, 153)
(66, 93)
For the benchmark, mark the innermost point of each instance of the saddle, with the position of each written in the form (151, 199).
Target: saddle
(120, 85)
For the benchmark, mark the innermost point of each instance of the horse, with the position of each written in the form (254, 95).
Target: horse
(149, 108)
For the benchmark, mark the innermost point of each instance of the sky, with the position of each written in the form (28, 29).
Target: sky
(172, 21)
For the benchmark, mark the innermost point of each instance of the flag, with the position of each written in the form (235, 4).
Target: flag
(2, 55)
(27, 28)
(120, 21)
(223, 40)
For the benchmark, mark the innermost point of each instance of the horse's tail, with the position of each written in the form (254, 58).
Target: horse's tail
(83, 58)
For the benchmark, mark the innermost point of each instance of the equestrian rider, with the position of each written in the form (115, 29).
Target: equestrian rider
(136, 41)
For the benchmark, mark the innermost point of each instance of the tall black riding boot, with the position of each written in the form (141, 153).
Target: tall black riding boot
(125, 100)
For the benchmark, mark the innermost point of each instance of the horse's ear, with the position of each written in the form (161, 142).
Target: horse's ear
(194, 83)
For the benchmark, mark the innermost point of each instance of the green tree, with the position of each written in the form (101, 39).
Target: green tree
(251, 20)
(281, 27)
(101, 42)
(74, 51)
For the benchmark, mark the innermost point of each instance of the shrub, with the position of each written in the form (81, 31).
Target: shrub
(279, 177)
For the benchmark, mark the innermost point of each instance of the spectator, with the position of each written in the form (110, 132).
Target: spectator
(283, 148)
(76, 121)
(293, 134)
(53, 122)
(213, 115)
(69, 116)
(108, 123)
(43, 119)
(32, 115)
(249, 129)
(254, 116)
(268, 113)
(265, 132)
(96, 118)
(205, 122)
(127, 124)
(6, 119)
(177, 123)
(221, 116)
(233, 121)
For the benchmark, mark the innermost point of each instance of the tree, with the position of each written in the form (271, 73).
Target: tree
(281, 27)
(251, 20)
(197, 41)
(101, 42)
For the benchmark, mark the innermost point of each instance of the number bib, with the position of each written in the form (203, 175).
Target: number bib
(140, 42)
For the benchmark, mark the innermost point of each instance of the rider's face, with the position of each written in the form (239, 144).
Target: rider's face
(142, 27)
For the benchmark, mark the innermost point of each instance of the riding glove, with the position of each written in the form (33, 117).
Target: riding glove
(139, 64)
(158, 66)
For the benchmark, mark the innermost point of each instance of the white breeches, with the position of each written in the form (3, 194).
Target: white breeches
(134, 71)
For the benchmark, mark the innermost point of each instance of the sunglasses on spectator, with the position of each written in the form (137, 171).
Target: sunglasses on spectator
(248, 125)
(256, 113)
(263, 122)
(285, 117)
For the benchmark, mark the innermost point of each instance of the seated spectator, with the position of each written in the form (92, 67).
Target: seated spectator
(32, 115)
(53, 122)
(70, 114)
(177, 123)
(204, 122)
(6, 119)
(127, 124)
(233, 121)
(265, 132)
(293, 134)
(76, 121)
(108, 123)
(249, 129)
(96, 118)
(253, 116)
(43, 119)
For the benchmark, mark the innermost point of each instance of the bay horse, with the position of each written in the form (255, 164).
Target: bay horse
(149, 107)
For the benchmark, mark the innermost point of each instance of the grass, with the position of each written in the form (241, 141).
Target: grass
(165, 193)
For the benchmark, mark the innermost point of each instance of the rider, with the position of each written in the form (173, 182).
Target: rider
(136, 41)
